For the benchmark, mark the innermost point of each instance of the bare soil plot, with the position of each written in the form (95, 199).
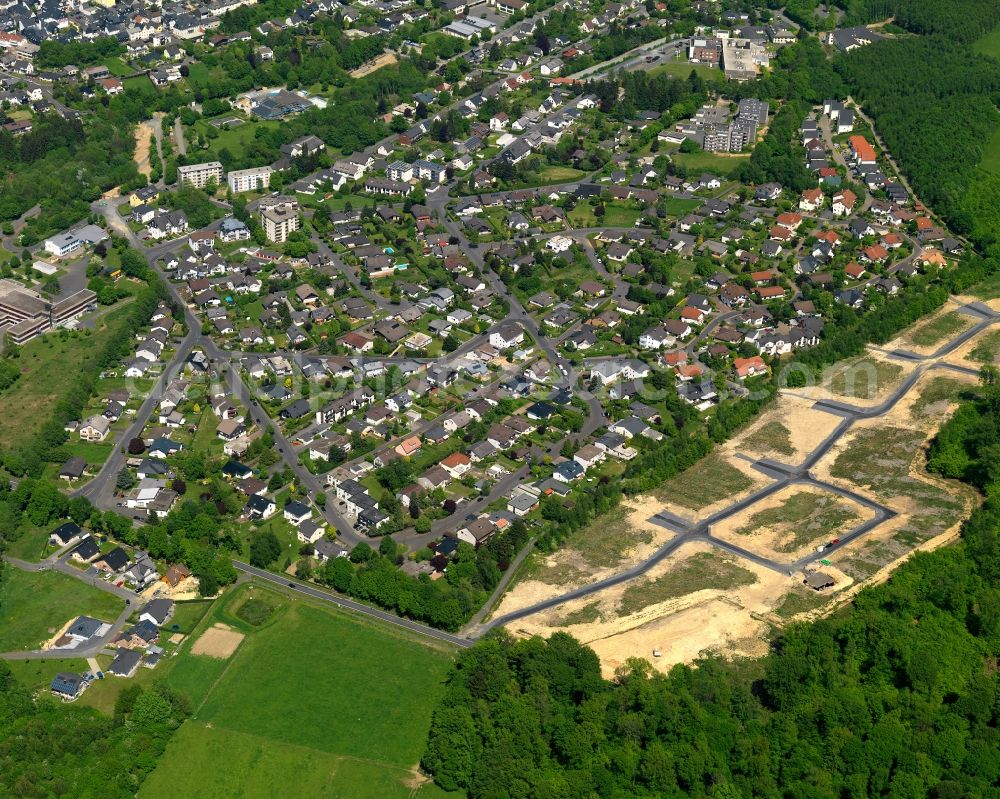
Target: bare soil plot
(787, 433)
(985, 348)
(698, 600)
(886, 457)
(604, 547)
(702, 570)
(218, 641)
(143, 142)
(789, 524)
(384, 60)
(770, 438)
(936, 396)
(868, 379)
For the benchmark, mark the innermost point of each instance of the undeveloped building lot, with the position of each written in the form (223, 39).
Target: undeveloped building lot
(218, 641)
(793, 522)
(700, 598)
(697, 600)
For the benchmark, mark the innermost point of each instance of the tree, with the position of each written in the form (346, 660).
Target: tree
(362, 553)
(125, 480)
(264, 549)
(208, 585)
(339, 573)
(136, 446)
(387, 547)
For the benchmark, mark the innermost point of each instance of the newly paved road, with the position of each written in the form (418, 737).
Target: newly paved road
(783, 476)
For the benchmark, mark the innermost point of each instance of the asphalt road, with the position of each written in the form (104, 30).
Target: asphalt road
(290, 584)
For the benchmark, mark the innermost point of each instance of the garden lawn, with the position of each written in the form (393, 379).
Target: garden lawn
(34, 605)
(339, 705)
(118, 68)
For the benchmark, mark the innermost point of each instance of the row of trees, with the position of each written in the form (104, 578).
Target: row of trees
(373, 576)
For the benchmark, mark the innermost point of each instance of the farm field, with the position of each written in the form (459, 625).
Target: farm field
(342, 704)
(34, 605)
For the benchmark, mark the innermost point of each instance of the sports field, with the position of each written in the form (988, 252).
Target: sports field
(312, 703)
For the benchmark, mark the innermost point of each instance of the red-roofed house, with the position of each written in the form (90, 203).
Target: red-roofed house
(874, 254)
(854, 270)
(770, 293)
(457, 464)
(861, 150)
(675, 358)
(843, 202)
(749, 367)
(689, 371)
(789, 219)
(692, 314)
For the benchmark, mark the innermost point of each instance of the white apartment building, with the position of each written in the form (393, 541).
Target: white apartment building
(199, 175)
(256, 179)
(279, 219)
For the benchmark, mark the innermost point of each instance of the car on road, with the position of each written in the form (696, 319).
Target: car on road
(291, 585)
(834, 542)
(651, 58)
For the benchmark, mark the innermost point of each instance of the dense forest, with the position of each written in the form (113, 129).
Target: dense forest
(63, 166)
(899, 696)
(933, 100)
(48, 749)
(963, 21)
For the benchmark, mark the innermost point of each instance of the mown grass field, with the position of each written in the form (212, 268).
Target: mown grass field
(710, 162)
(615, 215)
(313, 703)
(681, 69)
(33, 603)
